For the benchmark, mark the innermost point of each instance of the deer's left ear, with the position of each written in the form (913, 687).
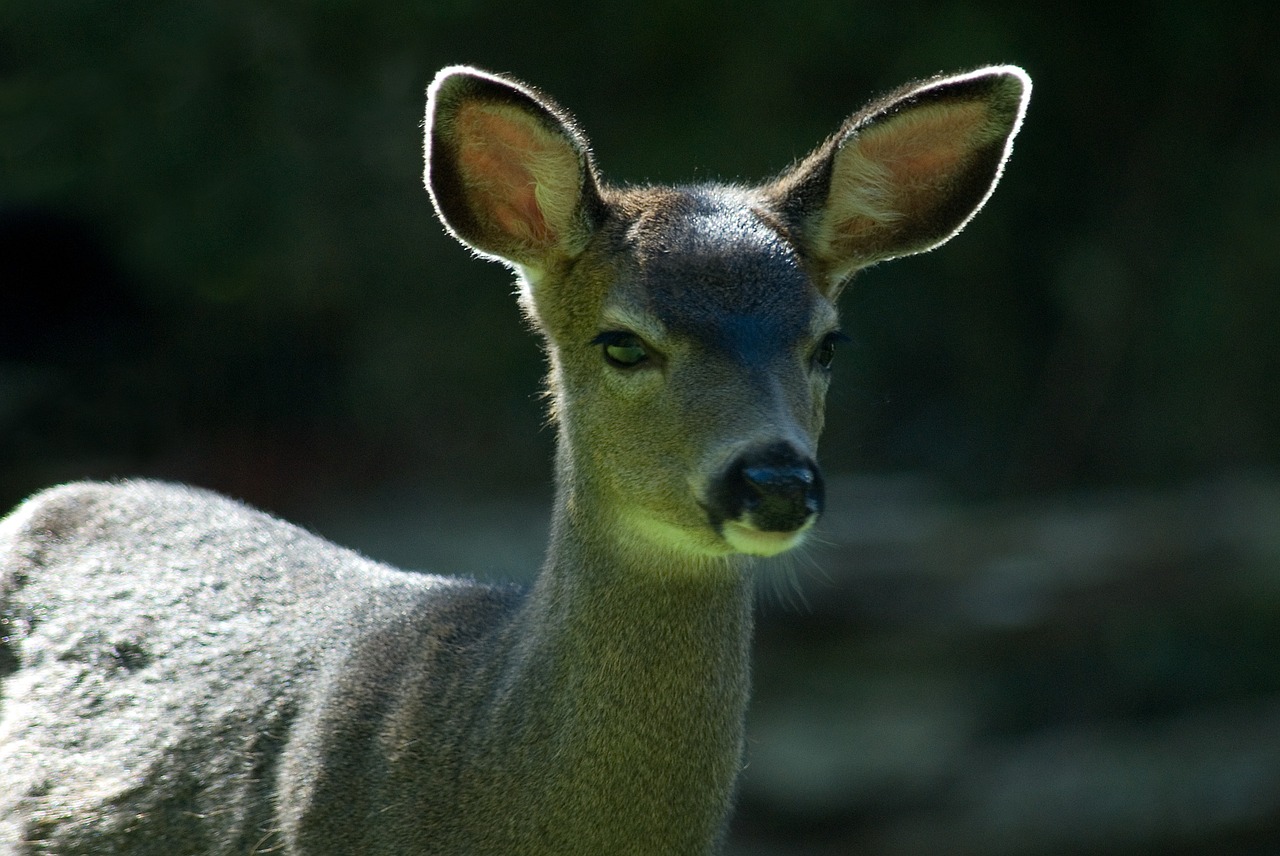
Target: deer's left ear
(906, 173)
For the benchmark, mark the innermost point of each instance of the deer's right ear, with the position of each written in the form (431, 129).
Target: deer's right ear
(906, 173)
(508, 172)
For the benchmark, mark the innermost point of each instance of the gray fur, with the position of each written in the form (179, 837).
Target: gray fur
(180, 674)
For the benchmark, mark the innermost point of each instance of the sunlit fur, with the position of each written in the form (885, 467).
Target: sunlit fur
(183, 674)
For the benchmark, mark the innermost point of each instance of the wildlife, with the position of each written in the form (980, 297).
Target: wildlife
(182, 674)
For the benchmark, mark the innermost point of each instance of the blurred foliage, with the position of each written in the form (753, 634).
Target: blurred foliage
(217, 261)
(217, 264)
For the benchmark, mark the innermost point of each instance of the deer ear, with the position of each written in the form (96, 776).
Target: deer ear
(907, 172)
(508, 172)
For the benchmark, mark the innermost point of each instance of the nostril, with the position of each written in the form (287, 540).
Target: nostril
(773, 489)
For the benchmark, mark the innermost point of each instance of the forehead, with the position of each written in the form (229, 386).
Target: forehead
(708, 265)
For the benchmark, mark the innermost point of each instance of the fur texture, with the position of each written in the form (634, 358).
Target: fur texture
(184, 675)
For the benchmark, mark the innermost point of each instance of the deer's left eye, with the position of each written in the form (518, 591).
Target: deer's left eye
(622, 350)
(826, 350)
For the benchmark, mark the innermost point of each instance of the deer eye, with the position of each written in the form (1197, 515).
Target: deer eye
(622, 350)
(826, 350)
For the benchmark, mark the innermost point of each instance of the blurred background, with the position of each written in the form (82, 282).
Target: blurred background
(1044, 613)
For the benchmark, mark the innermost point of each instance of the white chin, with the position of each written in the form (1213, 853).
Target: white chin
(753, 542)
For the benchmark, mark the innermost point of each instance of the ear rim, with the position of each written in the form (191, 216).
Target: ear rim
(993, 77)
(455, 85)
(801, 192)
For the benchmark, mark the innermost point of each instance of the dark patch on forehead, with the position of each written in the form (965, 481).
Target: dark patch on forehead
(713, 269)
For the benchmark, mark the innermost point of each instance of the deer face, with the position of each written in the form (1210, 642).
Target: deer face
(690, 330)
(695, 383)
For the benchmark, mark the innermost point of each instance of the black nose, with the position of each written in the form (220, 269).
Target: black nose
(773, 488)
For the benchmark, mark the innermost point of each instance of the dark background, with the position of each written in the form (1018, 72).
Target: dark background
(1046, 613)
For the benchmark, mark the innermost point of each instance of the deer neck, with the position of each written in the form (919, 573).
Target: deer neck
(631, 670)
(658, 632)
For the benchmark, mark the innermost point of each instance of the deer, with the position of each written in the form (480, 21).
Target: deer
(183, 674)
